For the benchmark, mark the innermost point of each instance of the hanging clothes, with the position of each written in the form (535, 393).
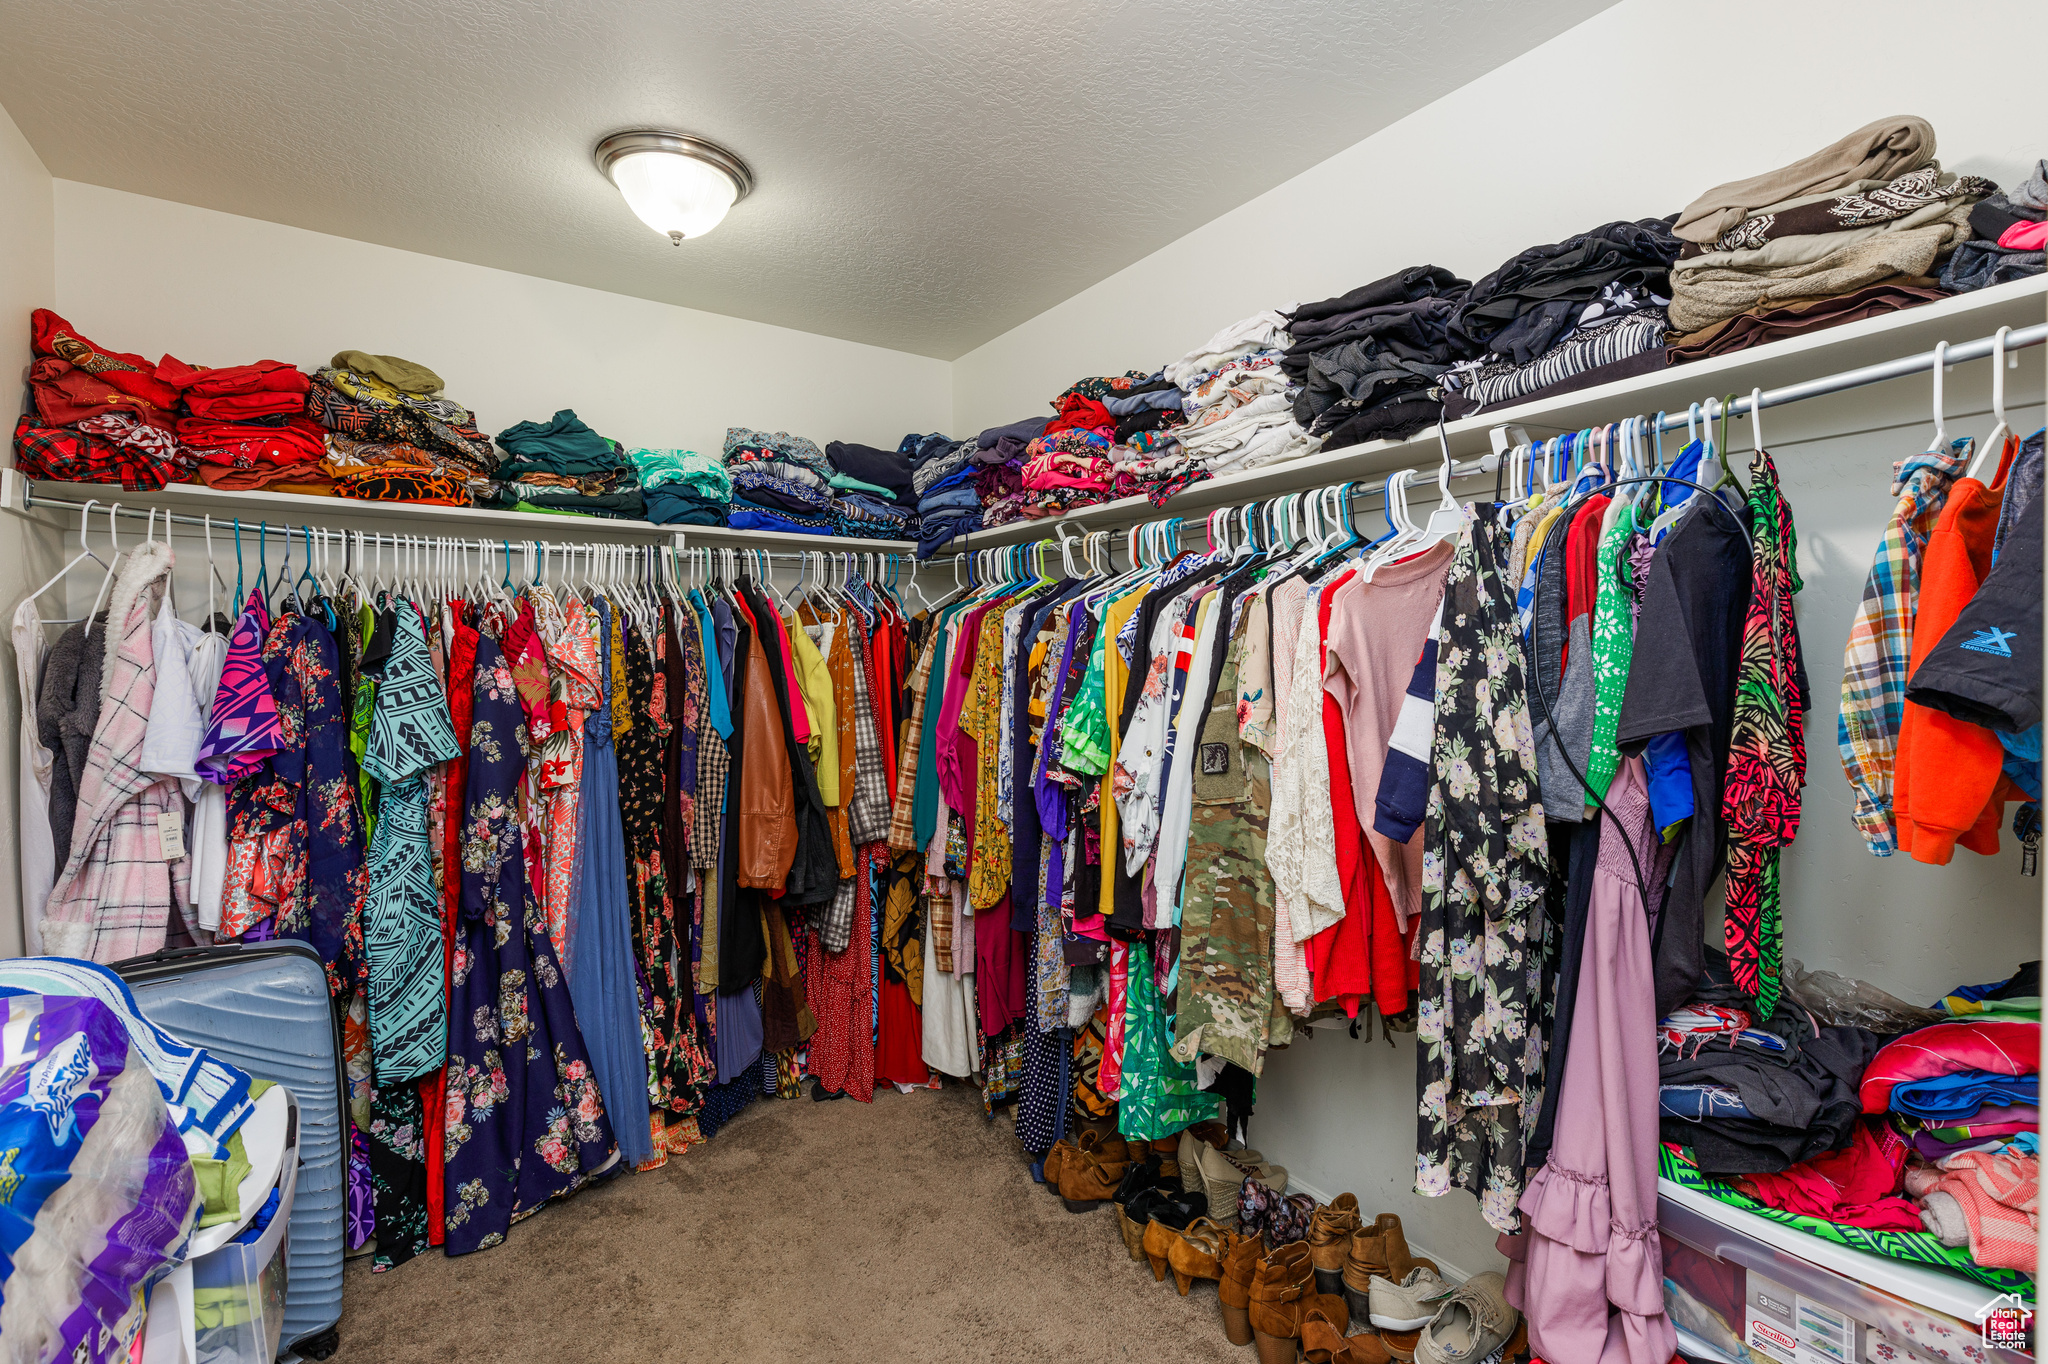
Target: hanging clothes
(1485, 866)
(525, 1121)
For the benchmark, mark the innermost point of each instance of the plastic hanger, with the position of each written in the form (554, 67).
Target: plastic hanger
(84, 553)
(2000, 433)
(114, 543)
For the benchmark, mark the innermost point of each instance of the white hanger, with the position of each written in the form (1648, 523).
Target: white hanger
(1940, 442)
(113, 539)
(2001, 432)
(1756, 421)
(84, 553)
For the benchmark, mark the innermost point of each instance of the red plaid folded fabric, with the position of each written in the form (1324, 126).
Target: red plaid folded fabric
(74, 456)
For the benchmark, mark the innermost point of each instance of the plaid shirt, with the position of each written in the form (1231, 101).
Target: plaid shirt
(902, 831)
(114, 896)
(71, 455)
(1875, 662)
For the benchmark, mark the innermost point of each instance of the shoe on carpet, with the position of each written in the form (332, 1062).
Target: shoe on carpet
(1234, 1288)
(1407, 1305)
(1223, 1173)
(1198, 1252)
(1380, 1249)
(1055, 1160)
(1323, 1342)
(1089, 1179)
(1472, 1321)
(1142, 1175)
(1171, 1214)
(1134, 1215)
(1283, 1289)
(1330, 1230)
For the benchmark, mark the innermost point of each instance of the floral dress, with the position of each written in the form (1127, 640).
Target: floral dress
(1485, 865)
(524, 1120)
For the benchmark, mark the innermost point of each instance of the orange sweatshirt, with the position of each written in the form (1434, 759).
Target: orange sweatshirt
(1949, 786)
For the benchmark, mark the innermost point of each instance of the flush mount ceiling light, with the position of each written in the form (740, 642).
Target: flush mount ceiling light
(681, 186)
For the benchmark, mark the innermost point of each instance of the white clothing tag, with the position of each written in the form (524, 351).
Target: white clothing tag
(170, 834)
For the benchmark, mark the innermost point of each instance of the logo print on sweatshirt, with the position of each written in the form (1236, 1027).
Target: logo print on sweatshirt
(1992, 641)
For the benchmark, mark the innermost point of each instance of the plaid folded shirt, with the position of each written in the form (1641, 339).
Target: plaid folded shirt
(1880, 645)
(70, 455)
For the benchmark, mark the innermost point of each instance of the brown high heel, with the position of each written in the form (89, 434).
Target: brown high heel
(1158, 1242)
(1199, 1252)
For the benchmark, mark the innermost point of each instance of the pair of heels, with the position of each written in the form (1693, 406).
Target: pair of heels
(1192, 1253)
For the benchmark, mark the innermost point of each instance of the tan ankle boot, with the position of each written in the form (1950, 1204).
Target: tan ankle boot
(1329, 1240)
(1234, 1289)
(1280, 1286)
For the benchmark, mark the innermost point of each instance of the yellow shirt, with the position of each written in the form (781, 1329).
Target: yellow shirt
(814, 684)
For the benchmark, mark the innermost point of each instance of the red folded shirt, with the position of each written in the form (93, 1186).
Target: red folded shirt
(237, 392)
(1083, 414)
(66, 394)
(51, 335)
(227, 443)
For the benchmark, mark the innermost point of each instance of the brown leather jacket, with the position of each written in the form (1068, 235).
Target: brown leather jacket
(767, 795)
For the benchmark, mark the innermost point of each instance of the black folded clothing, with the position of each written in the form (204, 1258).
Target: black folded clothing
(884, 468)
(1318, 322)
(1523, 308)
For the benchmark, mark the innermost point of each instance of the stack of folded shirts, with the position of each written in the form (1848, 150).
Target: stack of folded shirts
(682, 487)
(1755, 1095)
(100, 416)
(1621, 332)
(780, 482)
(246, 426)
(392, 436)
(2009, 234)
(1001, 490)
(561, 465)
(942, 474)
(1870, 207)
(1365, 361)
(882, 474)
(1764, 324)
(864, 516)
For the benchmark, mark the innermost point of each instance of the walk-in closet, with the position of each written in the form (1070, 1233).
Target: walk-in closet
(1352, 684)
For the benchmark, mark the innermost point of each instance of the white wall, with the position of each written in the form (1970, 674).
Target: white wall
(1608, 120)
(150, 276)
(27, 554)
(1632, 114)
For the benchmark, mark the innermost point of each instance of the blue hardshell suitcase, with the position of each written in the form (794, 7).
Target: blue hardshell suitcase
(265, 1008)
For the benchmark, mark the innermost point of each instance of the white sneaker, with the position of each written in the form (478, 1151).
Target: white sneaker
(1408, 1305)
(1472, 1321)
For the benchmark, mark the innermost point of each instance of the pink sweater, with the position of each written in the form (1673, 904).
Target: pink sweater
(1376, 633)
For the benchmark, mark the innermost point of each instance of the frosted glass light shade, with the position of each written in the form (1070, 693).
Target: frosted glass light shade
(678, 185)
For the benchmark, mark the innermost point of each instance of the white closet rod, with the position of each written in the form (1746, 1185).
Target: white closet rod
(1957, 354)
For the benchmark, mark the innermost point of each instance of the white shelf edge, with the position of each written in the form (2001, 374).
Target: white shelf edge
(296, 509)
(1961, 317)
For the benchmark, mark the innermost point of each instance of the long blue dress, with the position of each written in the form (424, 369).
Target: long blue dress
(602, 979)
(525, 1120)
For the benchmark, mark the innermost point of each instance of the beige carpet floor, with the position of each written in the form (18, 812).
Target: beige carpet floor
(904, 1230)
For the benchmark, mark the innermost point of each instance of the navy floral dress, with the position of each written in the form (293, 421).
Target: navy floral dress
(524, 1120)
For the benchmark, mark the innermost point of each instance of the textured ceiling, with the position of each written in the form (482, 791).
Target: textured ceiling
(929, 172)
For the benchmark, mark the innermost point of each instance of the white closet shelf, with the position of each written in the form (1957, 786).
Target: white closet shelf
(1795, 360)
(404, 518)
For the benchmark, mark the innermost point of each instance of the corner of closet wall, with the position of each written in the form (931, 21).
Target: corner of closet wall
(1466, 183)
(28, 553)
